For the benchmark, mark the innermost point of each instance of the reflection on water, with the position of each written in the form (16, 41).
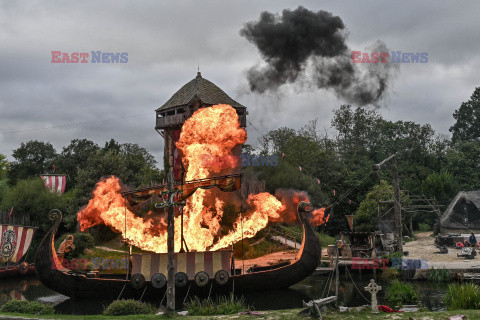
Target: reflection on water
(314, 287)
(27, 288)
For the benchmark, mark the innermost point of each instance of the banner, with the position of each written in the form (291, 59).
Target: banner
(14, 242)
(55, 183)
(350, 221)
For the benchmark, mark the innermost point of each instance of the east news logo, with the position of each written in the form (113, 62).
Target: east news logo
(92, 57)
(382, 57)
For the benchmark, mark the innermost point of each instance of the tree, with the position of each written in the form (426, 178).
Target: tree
(31, 158)
(467, 125)
(3, 166)
(366, 218)
(30, 197)
(463, 163)
(74, 156)
(134, 165)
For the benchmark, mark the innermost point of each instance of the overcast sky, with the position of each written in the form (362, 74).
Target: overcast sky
(166, 39)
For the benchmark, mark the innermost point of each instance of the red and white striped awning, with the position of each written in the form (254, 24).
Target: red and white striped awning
(14, 242)
(55, 183)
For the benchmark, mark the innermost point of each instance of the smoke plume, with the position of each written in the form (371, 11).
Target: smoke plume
(312, 44)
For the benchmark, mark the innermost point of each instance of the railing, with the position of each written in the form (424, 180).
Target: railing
(284, 233)
(16, 218)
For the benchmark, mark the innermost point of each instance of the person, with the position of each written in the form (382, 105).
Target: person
(472, 240)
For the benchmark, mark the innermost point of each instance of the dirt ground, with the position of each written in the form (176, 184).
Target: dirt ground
(424, 248)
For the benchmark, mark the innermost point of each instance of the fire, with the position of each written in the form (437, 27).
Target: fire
(214, 133)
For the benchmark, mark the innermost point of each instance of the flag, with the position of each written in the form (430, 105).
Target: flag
(55, 183)
(350, 221)
(14, 242)
(299, 168)
(10, 214)
(318, 181)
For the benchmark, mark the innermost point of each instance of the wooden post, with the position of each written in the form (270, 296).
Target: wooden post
(397, 209)
(337, 276)
(170, 245)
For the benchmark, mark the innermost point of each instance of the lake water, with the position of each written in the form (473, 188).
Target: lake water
(313, 287)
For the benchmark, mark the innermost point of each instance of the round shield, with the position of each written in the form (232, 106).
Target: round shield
(201, 279)
(23, 268)
(181, 279)
(138, 281)
(158, 281)
(221, 277)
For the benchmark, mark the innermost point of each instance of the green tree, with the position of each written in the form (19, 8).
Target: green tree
(463, 164)
(30, 197)
(3, 166)
(467, 125)
(74, 156)
(31, 159)
(366, 218)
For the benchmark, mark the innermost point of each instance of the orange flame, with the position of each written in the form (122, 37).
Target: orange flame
(214, 131)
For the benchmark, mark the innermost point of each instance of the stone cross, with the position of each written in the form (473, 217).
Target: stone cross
(373, 288)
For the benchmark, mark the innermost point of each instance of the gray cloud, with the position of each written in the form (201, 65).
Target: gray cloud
(164, 41)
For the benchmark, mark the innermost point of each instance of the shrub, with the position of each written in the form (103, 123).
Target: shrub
(30, 307)
(438, 275)
(424, 227)
(462, 296)
(127, 307)
(401, 292)
(222, 305)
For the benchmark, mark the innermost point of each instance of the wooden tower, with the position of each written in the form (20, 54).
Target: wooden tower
(198, 93)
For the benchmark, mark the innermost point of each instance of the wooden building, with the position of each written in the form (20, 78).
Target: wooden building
(198, 93)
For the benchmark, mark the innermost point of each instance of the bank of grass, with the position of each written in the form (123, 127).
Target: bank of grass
(463, 296)
(218, 306)
(296, 232)
(272, 315)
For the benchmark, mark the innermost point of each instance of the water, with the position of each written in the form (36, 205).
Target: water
(313, 287)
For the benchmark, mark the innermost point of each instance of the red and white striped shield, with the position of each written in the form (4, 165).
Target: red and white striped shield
(14, 242)
(55, 183)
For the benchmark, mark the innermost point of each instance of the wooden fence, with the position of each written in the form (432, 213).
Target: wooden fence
(16, 219)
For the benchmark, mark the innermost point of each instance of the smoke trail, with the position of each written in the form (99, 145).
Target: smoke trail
(299, 39)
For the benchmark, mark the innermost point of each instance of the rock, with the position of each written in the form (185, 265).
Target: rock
(343, 309)
(409, 309)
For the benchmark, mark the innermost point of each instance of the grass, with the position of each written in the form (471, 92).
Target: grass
(278, 315)
(249, 250)
(219, 306)
(462, 296)
(438, 275)
(297, 232)
(401, 292)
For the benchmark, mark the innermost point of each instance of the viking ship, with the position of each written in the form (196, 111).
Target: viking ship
(14, 243)
(197, 273)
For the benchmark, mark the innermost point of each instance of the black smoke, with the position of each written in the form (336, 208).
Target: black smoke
(304, 42)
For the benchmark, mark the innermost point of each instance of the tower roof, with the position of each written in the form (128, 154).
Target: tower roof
(202, 89)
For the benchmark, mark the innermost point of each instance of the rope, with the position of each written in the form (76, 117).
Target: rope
(356, 286)
(164, 295)
(327, 284)
(188, 291)
(141, 297)
(121, 291)
(209, 292)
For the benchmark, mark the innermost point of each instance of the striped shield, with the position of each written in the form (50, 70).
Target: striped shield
(14, 242)
(55, 183)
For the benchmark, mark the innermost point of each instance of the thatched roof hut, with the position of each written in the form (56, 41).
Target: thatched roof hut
(463, 214)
